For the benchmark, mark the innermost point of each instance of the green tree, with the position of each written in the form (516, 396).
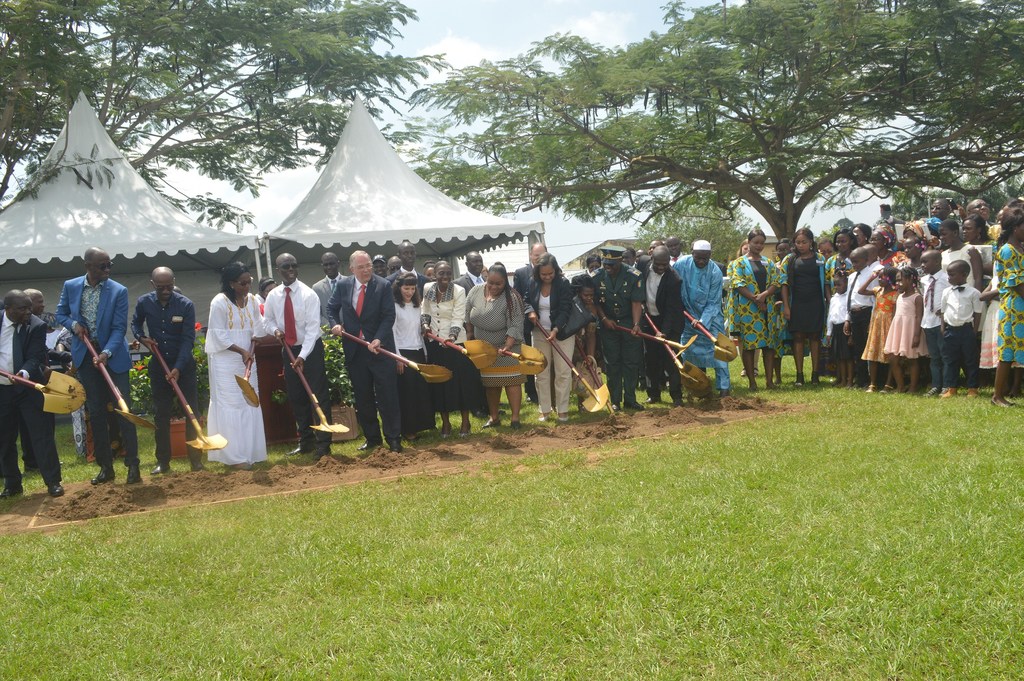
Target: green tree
(229, 88)
(774, 103)
(725, 231)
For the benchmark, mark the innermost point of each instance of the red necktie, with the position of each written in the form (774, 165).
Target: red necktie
(289, 319)
(359, 301)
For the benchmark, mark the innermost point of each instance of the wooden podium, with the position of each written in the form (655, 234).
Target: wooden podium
(278, 420)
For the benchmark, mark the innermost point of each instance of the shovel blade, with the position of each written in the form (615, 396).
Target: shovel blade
(598, 400)
(432, 373)
(64, 385)
(56, 403)
(328, 427)
(208, 442)
(694, 380)
(481, 353)
(137, 420)
(248, 392)
(725, 349)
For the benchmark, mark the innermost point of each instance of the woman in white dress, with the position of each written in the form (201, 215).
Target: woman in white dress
(234, 320)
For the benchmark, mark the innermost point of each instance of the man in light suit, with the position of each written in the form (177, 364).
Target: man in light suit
(94, 308)
(23, 353)
(364, 306)
(325, 287)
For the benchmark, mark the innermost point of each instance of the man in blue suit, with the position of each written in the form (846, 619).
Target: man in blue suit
(23, 353)
(94, 308)
(364, 306)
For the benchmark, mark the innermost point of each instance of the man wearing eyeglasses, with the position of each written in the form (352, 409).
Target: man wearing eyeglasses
(166, 320)
(94, 308)
(292, 313)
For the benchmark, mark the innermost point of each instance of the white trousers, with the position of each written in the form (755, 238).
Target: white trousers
(557, 367)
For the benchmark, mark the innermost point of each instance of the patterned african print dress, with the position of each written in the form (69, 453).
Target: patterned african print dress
(755, 328)
(492, 321)
(881, 320)
(1009, 267)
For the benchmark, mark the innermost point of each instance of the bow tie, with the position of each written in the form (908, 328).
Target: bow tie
(959, 288)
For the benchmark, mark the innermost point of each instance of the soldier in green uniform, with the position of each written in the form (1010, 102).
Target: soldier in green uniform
(620, 300)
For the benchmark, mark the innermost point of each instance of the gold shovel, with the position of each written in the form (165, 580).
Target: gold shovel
(122, 406)
(531, 361)
(203, 442)
(62, 394)
(598, 398)
(481, 353)
(323, 425)
(248, 392)
(693, 379)
(431, 373)
(725, 349)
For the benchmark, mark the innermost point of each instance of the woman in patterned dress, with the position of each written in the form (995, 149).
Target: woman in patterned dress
(494, 313)
(234, 320)
(754, 281)
(1009, 268)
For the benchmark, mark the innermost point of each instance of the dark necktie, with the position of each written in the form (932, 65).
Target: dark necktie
(290, 337)
(359, 301)
(929, 295)
(959, 288)
(17, 339)
(853, 286)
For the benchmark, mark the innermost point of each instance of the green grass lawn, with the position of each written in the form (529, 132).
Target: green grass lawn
(863, 536)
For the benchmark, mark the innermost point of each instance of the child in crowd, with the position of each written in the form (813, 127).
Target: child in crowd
(961, 316)
(864, 264)
(881, 318)
(906, 338)
(933, 283)
(838, 339)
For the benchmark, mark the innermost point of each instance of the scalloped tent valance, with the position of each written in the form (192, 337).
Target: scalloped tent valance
(87, 193)
(367, 197)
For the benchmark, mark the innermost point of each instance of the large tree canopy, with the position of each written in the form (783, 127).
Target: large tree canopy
(227, 88)
(775, 103)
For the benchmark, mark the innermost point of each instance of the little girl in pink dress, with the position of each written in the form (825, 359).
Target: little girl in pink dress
(905, 339)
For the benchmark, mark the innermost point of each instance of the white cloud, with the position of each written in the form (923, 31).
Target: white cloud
(459, 52)
(609, 29)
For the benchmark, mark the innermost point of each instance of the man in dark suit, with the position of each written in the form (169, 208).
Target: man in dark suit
(521, 283)
(474, 271)
(664, 304)
(407, 254)
(23, 353)
(324, 288)
(94, 308)
(364, 306)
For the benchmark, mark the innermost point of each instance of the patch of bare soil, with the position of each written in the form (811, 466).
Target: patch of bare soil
(83, 501)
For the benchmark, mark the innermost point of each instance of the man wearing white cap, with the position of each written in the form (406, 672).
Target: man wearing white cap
(701, 291)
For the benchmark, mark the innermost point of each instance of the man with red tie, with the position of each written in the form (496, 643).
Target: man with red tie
(364, 306)
(292, 313)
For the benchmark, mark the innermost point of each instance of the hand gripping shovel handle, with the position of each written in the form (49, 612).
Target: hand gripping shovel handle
(21, 379)
(121, 404)
(249, 363)
(447, 343)
(725, 349)
(667, 348)
(697, 324)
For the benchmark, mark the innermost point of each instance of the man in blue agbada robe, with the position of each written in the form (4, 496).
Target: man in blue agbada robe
(701, 290)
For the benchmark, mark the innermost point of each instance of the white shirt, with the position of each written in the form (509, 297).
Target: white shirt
(653, 282)
(932, 287)
(305, 305)
(7, 350)
(474, 278)
(959, 307)
(837, 311)
(407, 329)
(544, 313)
(856, 280)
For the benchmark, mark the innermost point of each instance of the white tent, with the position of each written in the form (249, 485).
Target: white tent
(368, 198)
(87, 194)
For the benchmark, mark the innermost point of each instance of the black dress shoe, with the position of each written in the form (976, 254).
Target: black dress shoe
(11, 492)
(367, 446)
(635, 406)
(652, 400)
(615, 407)
(106, 474)
(395, 446)
(55, 490)
(677, 403)
(723, 393)
(160, 469)
(134, 477)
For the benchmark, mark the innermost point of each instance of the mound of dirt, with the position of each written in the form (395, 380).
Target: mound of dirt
(83, 501)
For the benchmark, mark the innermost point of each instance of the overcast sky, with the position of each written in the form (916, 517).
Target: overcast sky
(465, 32)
